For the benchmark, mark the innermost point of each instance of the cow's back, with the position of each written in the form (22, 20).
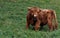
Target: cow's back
(43, 16)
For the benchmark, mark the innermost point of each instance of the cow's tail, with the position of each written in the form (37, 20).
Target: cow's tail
(55, 20)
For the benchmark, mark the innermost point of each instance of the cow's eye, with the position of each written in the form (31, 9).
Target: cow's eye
(37, 12)
(32, 13)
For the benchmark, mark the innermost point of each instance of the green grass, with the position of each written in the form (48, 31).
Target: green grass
(13, 18)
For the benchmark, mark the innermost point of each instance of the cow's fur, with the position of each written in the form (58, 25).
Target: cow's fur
(39, 17)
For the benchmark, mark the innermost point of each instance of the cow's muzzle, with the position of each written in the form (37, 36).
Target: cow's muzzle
(34, 19)
(35, 15)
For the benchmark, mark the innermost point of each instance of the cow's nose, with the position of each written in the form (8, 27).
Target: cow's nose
(35, 15)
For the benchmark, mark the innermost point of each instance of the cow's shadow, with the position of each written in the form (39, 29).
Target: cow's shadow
(42, 28)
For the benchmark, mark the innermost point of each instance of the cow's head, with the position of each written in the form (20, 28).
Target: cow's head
(34, 11)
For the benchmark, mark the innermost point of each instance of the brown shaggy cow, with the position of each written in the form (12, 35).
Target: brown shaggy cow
(39, 17)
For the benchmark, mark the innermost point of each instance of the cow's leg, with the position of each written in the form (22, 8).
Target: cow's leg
(55, 26)
(37, 25)
(49, 19)
(41, 27)
(50, 25)
(27, 25)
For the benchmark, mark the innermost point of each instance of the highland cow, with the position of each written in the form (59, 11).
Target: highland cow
(39, 17)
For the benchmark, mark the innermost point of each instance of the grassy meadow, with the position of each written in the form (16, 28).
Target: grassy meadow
(13, 18)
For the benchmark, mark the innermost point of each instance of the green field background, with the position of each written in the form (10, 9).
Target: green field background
(13, 18)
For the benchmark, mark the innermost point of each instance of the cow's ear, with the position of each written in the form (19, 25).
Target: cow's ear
(39, 11)
(29, 8)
